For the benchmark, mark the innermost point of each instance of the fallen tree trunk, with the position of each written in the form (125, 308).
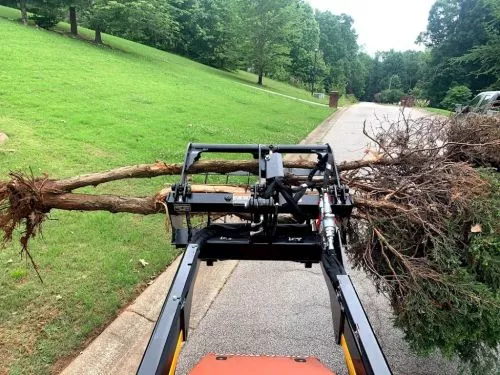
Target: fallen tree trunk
(134, 205)
(200, 167)
(92, 202)
(153, 205)
(159, 169)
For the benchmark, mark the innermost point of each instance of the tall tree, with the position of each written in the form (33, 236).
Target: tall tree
(267, 28)
(144, 21)
(456, 27)
(487, 56)
(306, 59)
(359, 78)
(339, 46)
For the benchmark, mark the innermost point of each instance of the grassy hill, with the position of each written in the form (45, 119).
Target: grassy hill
(71, 107)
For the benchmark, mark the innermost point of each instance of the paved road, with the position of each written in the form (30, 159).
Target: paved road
(283, 308)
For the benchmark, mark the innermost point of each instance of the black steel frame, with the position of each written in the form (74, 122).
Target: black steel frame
(298, 242)
(173, 320)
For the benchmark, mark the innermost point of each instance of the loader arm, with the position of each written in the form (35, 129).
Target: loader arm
(301, 221)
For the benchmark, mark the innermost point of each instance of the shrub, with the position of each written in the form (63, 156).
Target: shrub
(46, 18)
(417, 92)
(422, 103)
(389, 96)
(456, 95)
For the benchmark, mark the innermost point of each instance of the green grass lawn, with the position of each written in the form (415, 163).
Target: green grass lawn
(239, 76)
(438, 111)
(71, 107)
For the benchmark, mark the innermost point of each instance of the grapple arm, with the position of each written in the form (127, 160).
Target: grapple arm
(300, 221)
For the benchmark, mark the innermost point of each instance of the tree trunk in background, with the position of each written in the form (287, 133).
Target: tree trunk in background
(261, 74)
(72, 20)
(98, 38)
(24, 12)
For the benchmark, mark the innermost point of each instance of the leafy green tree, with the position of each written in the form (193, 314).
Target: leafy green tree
(487, 55)
(144, 21)
(360, 74)
(395, 82)
(441, 22)
(395, 70)
(338, 42)
(306, 59)
(267, 28)
(73, 6)
(348, 70)
(457, 28)
(207, 31)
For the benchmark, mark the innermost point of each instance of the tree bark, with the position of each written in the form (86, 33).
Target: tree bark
(163, 169)
(98, 37)
(202, 166)
(110, 203)
(261, 75)
(134, 205)
(72, 20)
(24, 12)
(154, 204)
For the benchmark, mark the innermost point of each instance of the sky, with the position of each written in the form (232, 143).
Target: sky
(383, 24)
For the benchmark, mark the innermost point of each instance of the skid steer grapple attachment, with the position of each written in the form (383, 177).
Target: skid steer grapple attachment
(267, 212)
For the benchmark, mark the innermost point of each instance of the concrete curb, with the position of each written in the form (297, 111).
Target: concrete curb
(319, 133)
(119, 348)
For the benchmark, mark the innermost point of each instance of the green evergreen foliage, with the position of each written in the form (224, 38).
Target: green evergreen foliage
(465, 322)
(46, 13)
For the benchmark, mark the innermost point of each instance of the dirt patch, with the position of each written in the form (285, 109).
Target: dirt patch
(20, 334)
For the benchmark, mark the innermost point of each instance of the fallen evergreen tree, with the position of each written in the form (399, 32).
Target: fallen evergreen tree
(426, 224)
(439, 261)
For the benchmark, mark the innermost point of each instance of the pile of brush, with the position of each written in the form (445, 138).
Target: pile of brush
(426, 225)
(436, 253)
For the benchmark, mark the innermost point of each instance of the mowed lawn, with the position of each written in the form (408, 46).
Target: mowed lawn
(71, 107)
